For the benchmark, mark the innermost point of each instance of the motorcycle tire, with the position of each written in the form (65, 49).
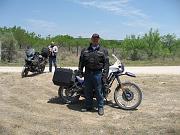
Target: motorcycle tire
(24, 72)
(129, 100)
(67, 99)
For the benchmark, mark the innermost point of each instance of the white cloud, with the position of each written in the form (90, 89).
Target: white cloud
(119, 7)
(141, 23)
(136, 17)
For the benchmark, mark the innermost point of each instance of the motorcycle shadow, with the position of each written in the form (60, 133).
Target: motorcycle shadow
(56, 100)
(78, 105)
(72, 106)
(34, 74)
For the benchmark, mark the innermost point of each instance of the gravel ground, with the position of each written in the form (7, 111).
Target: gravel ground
(30, 106)
(168, 70)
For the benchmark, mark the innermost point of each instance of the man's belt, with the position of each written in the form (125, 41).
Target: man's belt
(93, 70)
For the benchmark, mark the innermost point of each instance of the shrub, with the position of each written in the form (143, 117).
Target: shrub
(8, 47)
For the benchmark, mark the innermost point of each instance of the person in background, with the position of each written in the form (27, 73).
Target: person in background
(53, 50)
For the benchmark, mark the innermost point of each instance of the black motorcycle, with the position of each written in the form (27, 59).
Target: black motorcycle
(34, 62)
(127, 95)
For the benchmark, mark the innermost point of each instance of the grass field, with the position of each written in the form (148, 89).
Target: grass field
(73, 60)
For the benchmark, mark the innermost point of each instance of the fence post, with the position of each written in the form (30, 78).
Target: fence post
(77, 50)
(0, 50)
(113, 50)
(69, 47)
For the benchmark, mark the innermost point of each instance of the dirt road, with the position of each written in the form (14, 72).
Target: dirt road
(30, 106)
(168, 70)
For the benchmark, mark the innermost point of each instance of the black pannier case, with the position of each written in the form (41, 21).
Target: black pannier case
(63, 77)
(45, 52)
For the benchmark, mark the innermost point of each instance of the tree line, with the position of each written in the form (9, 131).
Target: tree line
(142, 47)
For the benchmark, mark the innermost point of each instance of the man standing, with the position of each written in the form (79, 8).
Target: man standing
(53, 49)
(95, 59)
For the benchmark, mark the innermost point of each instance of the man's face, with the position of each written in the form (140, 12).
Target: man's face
(52, 45)
(95, 40)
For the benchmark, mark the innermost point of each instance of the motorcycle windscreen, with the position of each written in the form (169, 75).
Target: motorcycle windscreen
(30, 52)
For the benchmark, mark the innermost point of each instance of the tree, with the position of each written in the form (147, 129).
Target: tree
(152, 41)
(9, 44)
(169, 41)
(20, 35)
(134, 48)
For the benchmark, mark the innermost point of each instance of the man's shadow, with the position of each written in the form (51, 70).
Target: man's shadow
(78, 105)
(73, 106)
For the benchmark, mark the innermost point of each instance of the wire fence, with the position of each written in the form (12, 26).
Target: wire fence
(67, 55)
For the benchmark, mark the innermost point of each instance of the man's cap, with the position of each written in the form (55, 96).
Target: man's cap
(95, 35)
(52, 43)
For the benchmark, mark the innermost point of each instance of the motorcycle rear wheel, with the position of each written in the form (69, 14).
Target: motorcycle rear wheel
(68, 97)
(129, 98)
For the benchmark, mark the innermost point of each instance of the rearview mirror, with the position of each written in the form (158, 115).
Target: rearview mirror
(130, 74)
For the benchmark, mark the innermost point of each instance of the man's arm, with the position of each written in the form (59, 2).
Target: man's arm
(106, 63)
(81, 62)
(50, 50)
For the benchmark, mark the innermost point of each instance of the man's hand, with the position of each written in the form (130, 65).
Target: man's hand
(80, 73)
(50, 50)
(104, 80)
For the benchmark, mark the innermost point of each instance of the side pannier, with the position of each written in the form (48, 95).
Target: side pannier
(63, 77)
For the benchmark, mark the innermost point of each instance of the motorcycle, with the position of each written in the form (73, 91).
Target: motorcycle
(127, 95)
(34, 62)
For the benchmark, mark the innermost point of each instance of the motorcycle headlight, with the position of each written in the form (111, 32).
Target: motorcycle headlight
(29, 58)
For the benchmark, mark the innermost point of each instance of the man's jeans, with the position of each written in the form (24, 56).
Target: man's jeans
(52, 60)
(93, 80)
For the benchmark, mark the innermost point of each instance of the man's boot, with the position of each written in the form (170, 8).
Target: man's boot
(101, 111)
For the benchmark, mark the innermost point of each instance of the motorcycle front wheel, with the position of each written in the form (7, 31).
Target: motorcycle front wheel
(67, 95)
(128, 96)
(42, 69)
(24, 72)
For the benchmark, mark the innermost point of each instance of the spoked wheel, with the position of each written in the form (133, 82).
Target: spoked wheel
(128, 97)
(67, 95)
(24, 72)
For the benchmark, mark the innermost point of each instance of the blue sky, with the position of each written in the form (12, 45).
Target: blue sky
(112, 19)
